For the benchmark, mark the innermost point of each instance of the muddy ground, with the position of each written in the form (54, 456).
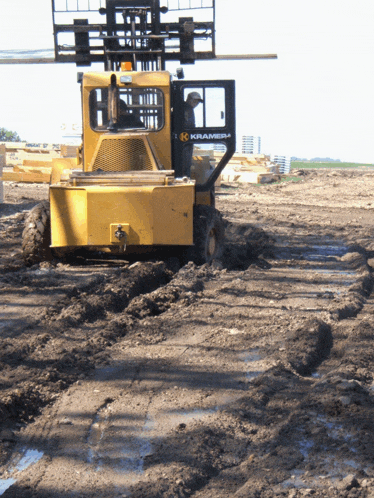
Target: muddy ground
(252, 377)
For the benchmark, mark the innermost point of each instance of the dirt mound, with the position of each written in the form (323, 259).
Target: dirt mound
(308, 346)
(245, 244)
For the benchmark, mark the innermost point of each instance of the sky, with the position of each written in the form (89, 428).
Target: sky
(315, 100)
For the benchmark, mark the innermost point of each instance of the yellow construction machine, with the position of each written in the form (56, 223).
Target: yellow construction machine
(145, 173)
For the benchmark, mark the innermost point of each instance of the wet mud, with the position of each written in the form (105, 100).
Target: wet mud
(251, 377)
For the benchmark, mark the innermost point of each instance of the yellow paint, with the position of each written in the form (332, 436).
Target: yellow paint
(159, 140)
(68, 216)
(151, 215)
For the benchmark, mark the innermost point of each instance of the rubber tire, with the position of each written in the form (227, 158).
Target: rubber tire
(208, 235)
(36, 236)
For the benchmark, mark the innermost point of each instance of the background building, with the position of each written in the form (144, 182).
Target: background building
(219, 147)
(284, 163)
(251, 145)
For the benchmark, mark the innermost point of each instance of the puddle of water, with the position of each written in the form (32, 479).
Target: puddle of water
(295, 482)
(334, 470)
(339, 278)
(330, 249)
(91, 455)
(344, 273)
(305, 446)
(95, 435)
(42, 271)
(20, 463)
(132, 457)
(181, 417)
(131, 461)
(299, 480)
(250, 358)
(339, 468)
(108, 373)
(252, 375)
(316, 252)
(335, 431)
(5, 484)
(324, 253)
(149, 424)
(352, 463)
(5, 323)
(128, 460)
(29, 458)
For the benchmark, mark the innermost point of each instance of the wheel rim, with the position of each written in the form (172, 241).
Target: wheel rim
(211, 246)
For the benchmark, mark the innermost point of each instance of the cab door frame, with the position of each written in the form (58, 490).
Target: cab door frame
(182, 135)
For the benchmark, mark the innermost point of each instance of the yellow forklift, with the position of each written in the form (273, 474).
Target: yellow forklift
(145, 174)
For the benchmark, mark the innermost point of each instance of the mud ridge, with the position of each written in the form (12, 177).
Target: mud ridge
(309, 346)
(111, 311)
(111, 295)
(184, 286)
(67, 359)
(352, 302)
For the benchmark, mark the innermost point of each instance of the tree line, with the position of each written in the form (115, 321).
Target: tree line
(9, 136)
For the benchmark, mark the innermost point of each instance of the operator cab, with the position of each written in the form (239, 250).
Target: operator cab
(189, 125)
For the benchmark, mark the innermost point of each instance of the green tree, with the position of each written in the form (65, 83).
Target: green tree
(9, 136)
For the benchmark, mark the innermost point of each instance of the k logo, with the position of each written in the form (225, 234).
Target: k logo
(184, 137)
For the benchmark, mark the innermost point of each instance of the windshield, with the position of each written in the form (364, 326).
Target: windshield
(138, 108)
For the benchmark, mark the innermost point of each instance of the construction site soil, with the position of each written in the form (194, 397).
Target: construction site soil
(251, 377)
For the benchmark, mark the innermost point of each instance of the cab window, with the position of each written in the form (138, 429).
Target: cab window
(204, 107)
(138, 108)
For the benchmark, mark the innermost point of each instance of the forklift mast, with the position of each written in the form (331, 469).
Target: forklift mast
(147, 33)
